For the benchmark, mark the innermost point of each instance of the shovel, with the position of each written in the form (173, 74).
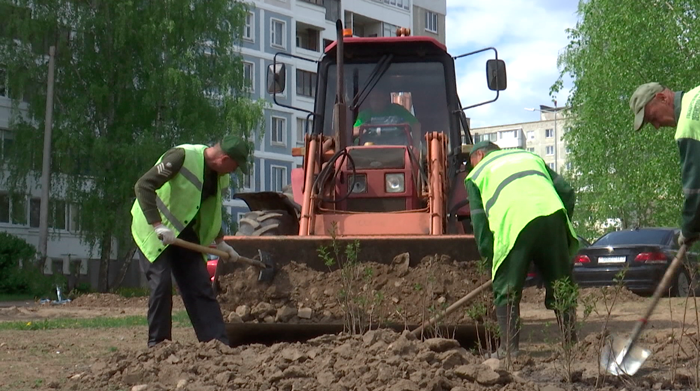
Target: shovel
(453, 307)
(267, 269)
(623, 357)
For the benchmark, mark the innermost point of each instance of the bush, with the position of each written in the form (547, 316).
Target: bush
(28, 279)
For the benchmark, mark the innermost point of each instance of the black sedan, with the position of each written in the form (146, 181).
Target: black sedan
(645, 252)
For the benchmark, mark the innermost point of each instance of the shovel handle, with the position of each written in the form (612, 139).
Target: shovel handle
(660, 289)
(453, 307)
(214, 251)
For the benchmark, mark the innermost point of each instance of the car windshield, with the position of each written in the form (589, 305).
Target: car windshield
(645, 236)
(417, 87)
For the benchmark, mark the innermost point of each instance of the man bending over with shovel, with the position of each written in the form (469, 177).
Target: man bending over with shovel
(180, 197)
(521, 212)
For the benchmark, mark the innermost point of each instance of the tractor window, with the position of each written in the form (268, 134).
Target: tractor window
(408, 92)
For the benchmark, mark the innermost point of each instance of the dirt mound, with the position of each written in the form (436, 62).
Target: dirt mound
(393, 293)
(111, 300)
(591, 295)
(379, 359)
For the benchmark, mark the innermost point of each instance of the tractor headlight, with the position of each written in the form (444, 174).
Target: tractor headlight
(394, 183)
(358, 183)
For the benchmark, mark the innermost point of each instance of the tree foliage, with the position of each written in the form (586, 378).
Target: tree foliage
(616, 46)
(133, 79)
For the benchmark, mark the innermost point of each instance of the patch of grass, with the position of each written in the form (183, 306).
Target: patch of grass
(135, 292)
(180, 319)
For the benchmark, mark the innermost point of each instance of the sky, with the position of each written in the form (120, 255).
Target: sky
(529, 35)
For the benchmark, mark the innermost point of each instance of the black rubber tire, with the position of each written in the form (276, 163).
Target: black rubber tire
(267, 223)
(682, 285)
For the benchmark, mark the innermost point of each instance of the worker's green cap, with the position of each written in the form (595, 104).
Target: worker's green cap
(643, 95)
(238, 149)
(482, 145)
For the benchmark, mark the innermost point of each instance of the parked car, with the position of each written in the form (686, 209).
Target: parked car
(212, 261)
(647, 252)
(534, 279)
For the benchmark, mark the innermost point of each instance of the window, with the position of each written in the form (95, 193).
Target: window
(306, 83)
(5, 144)
(277, 130)
(389, 30)
(247, 182)
(278, 178)
(550, 150)
(551, 165)
(567, 150)
(317, 2)
(249, 27)
(4, 208)
(326, 42)
(57, 214)
(239, 216)
(549, 133)
(431, 22)
(307, 38)
(249, 76)
(486, 137)
(568, 166)
(3, 81)
(531, 150)
(277, 33)
(508, 134)
(531, 135)
(34, 212)
(302, 124)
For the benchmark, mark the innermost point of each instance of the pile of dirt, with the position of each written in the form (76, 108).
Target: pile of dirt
(377, 360)
(586, 295)
(389, 293)
(111, 300)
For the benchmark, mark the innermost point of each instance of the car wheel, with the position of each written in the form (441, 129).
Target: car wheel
(681, 287)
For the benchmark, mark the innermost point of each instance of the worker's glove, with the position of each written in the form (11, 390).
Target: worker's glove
(687, 241)
(165, 234)
(232, 254)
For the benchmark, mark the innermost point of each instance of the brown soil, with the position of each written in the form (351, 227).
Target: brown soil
(394, 293)
(118, 359)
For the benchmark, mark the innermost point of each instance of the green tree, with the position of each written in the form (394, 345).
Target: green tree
(616, 46)
(133, 79)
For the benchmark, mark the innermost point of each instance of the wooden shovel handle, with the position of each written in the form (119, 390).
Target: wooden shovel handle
(214, 251)
(453, 307)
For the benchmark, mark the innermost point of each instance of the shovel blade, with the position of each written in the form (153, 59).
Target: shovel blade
(615, 363)
(268, 273)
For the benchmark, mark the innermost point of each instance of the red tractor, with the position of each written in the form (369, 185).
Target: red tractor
(393, 182)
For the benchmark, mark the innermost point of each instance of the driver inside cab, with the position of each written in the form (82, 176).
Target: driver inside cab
(382, 111)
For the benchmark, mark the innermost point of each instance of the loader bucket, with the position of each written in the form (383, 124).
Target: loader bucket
(380, 249)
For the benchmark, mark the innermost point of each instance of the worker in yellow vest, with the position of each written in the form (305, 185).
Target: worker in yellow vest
(180, 197)
(521, 212)
(659, 106)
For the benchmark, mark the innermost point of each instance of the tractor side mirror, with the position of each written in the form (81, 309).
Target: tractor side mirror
(496, 75)
(276, 78)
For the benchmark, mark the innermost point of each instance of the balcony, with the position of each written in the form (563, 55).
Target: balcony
(308, 37)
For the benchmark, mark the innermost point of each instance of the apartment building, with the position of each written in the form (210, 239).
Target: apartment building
(304, 28)
(299, 27)
(543, 137)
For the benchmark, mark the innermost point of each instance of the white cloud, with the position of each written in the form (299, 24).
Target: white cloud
(528, 34)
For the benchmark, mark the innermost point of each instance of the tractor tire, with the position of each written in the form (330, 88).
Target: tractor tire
(267, 223)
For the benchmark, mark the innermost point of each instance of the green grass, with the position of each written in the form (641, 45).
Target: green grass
(180, 319)
(16, 297)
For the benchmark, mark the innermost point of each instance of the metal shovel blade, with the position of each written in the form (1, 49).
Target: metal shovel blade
(616, 361)
(267, 274)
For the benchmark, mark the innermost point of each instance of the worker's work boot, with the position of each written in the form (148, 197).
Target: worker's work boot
(509, 328)
(567, 326)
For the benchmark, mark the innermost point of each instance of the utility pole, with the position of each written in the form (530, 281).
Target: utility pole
(46, 164)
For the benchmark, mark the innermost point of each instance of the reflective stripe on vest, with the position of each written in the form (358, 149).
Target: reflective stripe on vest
(179, 202)
(515, 189)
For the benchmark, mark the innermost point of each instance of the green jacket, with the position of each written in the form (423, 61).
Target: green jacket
(179, 202)
(687, 111)
(507, 190)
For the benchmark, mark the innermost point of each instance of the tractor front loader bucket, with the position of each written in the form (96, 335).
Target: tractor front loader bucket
(379, 249)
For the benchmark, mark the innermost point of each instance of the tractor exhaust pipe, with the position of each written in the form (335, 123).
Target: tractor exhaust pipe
(340, 108)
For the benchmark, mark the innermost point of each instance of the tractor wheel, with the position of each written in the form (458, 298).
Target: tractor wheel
(267, 223)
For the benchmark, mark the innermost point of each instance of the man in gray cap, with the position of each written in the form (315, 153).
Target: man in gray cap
(656, 104)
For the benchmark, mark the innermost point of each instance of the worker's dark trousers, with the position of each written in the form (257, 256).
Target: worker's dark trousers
(190, 272)
(544, 241)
